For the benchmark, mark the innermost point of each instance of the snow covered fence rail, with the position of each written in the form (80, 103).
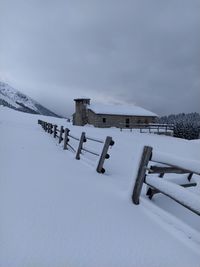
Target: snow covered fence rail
(174, 191)
(53, 129)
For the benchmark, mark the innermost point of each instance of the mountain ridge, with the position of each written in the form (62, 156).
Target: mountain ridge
(12, 98)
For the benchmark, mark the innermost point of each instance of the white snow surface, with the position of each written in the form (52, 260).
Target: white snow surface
(176, 191)
(191, 165)
(129, 110)
(57, 211)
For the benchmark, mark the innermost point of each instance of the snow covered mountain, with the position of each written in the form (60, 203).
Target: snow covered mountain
(14, 99)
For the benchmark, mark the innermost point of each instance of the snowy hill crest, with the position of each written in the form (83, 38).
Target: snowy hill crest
(14, 99)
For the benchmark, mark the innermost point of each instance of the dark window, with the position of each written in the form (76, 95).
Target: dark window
(104, 120)
(127, 122)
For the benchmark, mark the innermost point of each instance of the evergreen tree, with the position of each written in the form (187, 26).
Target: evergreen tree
(185, 125)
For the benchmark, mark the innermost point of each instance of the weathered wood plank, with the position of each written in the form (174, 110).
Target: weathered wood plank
(55, 130)
(90, 151)
(80, 146)
(182, 196)
(152, 191)
(146, 157)
(61, 133)
(177, 162)
(51, 128)
(48, 127)
(157, 169)
(45, 126)
(66, 138)
(190, 176)
(104, 155)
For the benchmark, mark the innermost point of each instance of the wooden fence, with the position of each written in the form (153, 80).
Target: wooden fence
(166, 129)
(63, 134)
(156, 128)
(160, 163)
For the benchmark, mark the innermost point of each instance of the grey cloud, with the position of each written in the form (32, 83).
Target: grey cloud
(143, 52)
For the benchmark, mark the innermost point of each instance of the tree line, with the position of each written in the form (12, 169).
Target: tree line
(186, 126)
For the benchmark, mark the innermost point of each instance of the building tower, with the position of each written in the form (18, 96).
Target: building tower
(80, 116)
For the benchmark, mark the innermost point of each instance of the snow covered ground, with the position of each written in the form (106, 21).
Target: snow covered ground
(57, 211)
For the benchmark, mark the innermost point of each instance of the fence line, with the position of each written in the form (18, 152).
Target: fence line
(151, 162)
(75, 138)
(94, 139)
(90, 151)
(66, 138)
(80, 146)
(103, 155)
(177, 192)
(151, 127)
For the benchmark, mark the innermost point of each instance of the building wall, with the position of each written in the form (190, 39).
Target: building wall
(83, 115)
(121, 121)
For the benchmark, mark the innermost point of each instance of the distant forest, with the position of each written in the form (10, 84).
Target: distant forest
(185, 125)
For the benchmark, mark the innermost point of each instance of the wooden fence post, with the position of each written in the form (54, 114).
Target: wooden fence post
(50, 128)
(146, 157)
(190, 176)
(82, 140)
(60, 136)
(104, 155)
(55, 131)
(66, 138)
(43, 125)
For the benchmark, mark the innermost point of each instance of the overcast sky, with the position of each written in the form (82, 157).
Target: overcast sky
(144, 52)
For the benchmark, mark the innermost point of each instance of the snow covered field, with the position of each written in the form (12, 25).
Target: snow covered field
(57, 211)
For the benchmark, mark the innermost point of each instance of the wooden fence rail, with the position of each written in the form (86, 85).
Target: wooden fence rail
(167, 129)
(63, 134)
(158, 184)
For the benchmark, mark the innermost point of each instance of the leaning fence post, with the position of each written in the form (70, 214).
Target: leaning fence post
(60, 136)
(55, 131)
(50, 128)
(190, 176)
(45, 126)
(104, 155)
(82, 140)
(66, 138)
(146, 157)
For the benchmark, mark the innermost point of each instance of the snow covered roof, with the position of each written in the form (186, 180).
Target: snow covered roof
(128, 110)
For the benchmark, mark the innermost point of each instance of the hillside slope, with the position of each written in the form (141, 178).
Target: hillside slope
(58, 211)
(14, 99)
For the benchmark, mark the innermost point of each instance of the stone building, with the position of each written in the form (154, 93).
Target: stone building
(100, 115)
